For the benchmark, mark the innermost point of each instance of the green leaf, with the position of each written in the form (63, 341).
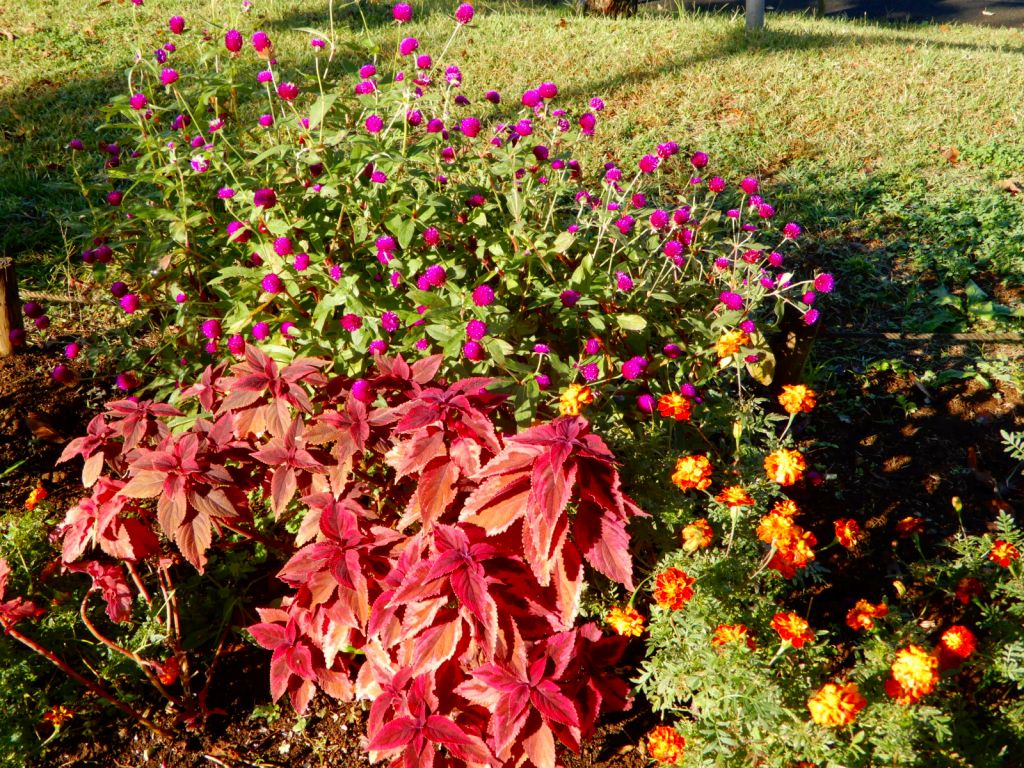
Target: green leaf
(631, 322)
(564, 241)
(403, 229)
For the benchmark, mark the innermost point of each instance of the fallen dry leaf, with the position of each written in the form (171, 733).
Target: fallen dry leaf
(1009, 185)
(952, 155)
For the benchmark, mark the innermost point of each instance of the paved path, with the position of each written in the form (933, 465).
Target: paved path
(1000, 13)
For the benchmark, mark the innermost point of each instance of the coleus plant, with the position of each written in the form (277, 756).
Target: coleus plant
(436, 565)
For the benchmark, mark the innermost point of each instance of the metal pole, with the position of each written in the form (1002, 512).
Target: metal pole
(755, 15)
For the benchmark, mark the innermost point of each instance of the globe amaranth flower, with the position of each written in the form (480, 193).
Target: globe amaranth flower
(749, 185)
(138, 101)
(673, 405)
(117, 289)
(473, 350)
(765, 211)
(1003, 553)
(464, 13)
(658, 219)
(365, 87)
(389, 322)
(236, 345)
(547, 90)
(169, 76)
(699, 159)
(476, 330)
(200, 164)
(649, 163)
(792, 628)
(824, 283)
(374, 124)
(283, 246)
(625, 621)
(351, 322)
(210, 329)
(233, 40)
(271, 283)
(645, 402)
(435, 275)
(572, 400)
(634, 368)
(237, 232)
(625, 224)
(130, 303)
(835, 705)
(425, 61)
(848, 532)
(785, 466)
(569, 297)
(716, 184)
(261, 331)
(126, 381)
(378, 347)
(71, 350)
(402, 13)
(176, 24)
(734, 496)
(261, 41)
(665, 745)
(692, 472)
(590, 372)
(697, 535)
(288, 91)
(264, 198)
(42, 323)
(791, 231)
(587, 124)
(914, 674)
(543, 381)
(673, 589)
(435, 125)
(623, 282)
(863, 614)
(264, 76)
(408, 45)
(811, 317)
(731, 300)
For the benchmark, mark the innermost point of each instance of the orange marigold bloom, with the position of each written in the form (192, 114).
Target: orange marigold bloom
(914, 674)
(863, 614)
(625, 621)
(38, 494)
(967, 588)
(672, 588)
(796, 398)
(732, 633)
(836, 705)
(572, 400)
(697, 535)
(734, 496)
(786, 507)
(785, 466)
(958, 641)
(676, 406)
(1003, 553)
(774, 528)
(692, 472)
(665, 745)
(729, 343)
(58, 715)
(792, 628)
(793, 553)
(848, 532)
(910, 526)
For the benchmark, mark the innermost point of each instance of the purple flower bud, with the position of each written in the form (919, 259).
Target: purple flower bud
(129, 303)
(645, 402)
(402, 13)
(541, 349)
(301, 262)
(476, 330)
(41, 323)
(464, 13)
(138, 101)
(33, 309)
(493, 96)
(473, 351)
(264, 76)
(483, 295)
(118, 289)
(233, 40)
(672, 351)
(236, 345)
(547, 90)
(587, 124)
(264, 198)
(648, 164)
(271, 283)
(809, 297)
(169, 76)
(811, 316)
(176, 24)
(114, 197)
(569, 297)
(62, 374)
(266, 120)
(378, 347)
(71, 350)
(126, 381)
(225, 193)
(543, 381)
(260, 331)
(362, 391)
(260, 41)
(210, 329)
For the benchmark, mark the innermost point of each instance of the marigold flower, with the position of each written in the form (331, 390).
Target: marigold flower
(573, 399)
(58, 715)
(910, 526)
(774, 528)
(848, 532)
(786, 507)
(697, 535)
(730, 342)
(793, 545)
(692, 472)
(863, 614)
(38, 494)
(672, 588)
(836, 705)
(625, 621)
(958, 641)
(792, 628)
(914, 674)
(967, 588)
(665, 745)
(1003, 553)
(734, 496)
(674, 405)
(796, 398)
(732, 633)
(785, 466)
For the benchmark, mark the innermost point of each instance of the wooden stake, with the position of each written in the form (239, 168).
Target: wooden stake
(10, 306)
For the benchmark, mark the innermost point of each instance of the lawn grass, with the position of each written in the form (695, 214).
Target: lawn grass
(888, 143)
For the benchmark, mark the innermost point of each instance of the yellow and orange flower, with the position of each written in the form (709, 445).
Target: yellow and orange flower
(910, 526)
(914, 674)
(836, 705)
(665, 745)
(730, 343)
(796, 398)
(58, 715)
(672, 588)
(734, 496)
(792, 628)
(625, 621)
(775, 528)
(1003, 553)
(786, 507)
(785, 466)
(675, 405)
(958, 641)
(793, 553)
(863, 614)
(848, 532)
(968, 588)
(572, 400)
(697, 535)
(38, 494)
(732, 633)
(692, 472)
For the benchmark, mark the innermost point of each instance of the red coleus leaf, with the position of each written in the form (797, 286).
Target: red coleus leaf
(135, 421)
(349, 430)
(288, 455)
(109, 580)
(16, 609)
(91, 447)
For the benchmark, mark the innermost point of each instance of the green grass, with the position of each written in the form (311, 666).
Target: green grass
(849, 123)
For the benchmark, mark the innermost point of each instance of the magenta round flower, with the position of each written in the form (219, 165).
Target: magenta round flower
(749, 185)
(237, 232)
(138, 101)
(71, 350)
(493, 96)
(645, 402)
(531, 98)
(590, 372)
(169, 76)
(625, 224)
(378, 177)
(264, 76)
(210, 329)
(543, 381)
(824, 283)
(811, 316)
(791, 231)
(547, 90)
(351, 322)
(672, 249)
(288, 91)
(283, 246)
(541, 349)
(648, 163)
(431, 236)
(362, 391)
(260, 41)
(592, 346)
(266, 120)
(62, 374)
(464, 13)
(659, 219)
(483, 295)
(667, 150)
(389, 322)
(765, 211)
(115, 197)
(374, 124)
(126, 381)
(33, 309)
(301, 262)
(699, 159)
(233, 40)
(672, 351)
(41, 323)
(716, 184)
(176, 24)
(435, 276)
(236, 345)
(470, 127)
(809, 297)
(271, 283)
(211, 347)
(261, 331)
(473, 350)
(634, 368)
(378, 347)
(365, 87)
(408, 45)
(623, 282)
(118, 289)
(731, 300)
(596, 104)
(180, 298)
(587, 124)
(569, 297)
(264, 198)
(130, 303)
(402, 13)
(476, 330)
